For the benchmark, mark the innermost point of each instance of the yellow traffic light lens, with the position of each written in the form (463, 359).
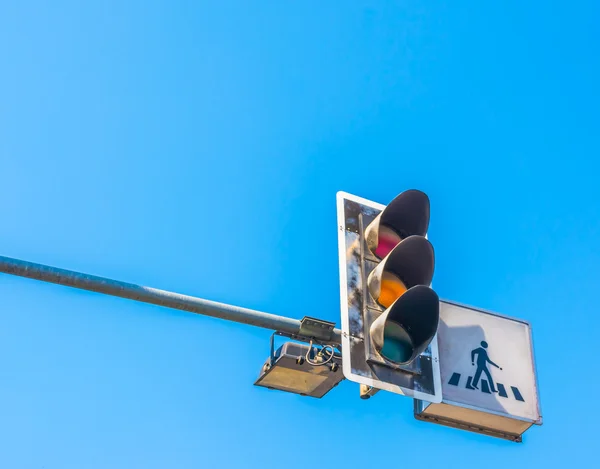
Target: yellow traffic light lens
(388, 239)
(397, 344)
(391, 289)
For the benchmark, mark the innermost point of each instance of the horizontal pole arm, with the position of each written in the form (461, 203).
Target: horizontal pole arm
(153, 296)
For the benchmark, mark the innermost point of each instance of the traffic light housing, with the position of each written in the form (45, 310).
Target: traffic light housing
(390, 314)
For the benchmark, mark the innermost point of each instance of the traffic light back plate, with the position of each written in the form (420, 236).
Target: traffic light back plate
(361, 362)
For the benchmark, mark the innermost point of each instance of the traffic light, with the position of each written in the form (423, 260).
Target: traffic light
(390, 314)
(400, 281)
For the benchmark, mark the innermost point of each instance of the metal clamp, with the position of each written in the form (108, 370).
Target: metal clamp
(316, 328)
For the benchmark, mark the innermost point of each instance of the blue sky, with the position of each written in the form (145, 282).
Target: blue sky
(198, 147)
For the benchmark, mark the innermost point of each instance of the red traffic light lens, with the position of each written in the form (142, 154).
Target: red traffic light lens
(388, 240)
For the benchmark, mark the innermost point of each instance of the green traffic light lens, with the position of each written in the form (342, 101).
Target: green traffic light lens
(397, 344)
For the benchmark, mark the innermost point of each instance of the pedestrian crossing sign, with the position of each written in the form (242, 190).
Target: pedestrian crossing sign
(487, 371)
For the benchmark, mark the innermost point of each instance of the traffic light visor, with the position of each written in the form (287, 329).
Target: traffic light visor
(405, 329)
(406, 215)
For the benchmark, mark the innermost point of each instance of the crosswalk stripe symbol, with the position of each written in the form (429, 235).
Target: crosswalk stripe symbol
(485, 387)
(517, 394)
(455, 379)
(469, 381)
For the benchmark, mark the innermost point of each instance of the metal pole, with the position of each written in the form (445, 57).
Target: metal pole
(154, 296)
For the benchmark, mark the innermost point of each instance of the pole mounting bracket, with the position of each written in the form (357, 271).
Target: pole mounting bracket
(317, 328)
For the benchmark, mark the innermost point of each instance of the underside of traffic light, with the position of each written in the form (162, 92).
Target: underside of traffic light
(390, 314)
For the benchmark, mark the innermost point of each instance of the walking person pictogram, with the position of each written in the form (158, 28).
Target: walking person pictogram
(482, 360)
(487, 384)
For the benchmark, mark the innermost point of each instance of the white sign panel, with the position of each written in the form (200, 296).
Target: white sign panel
(487, 362)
